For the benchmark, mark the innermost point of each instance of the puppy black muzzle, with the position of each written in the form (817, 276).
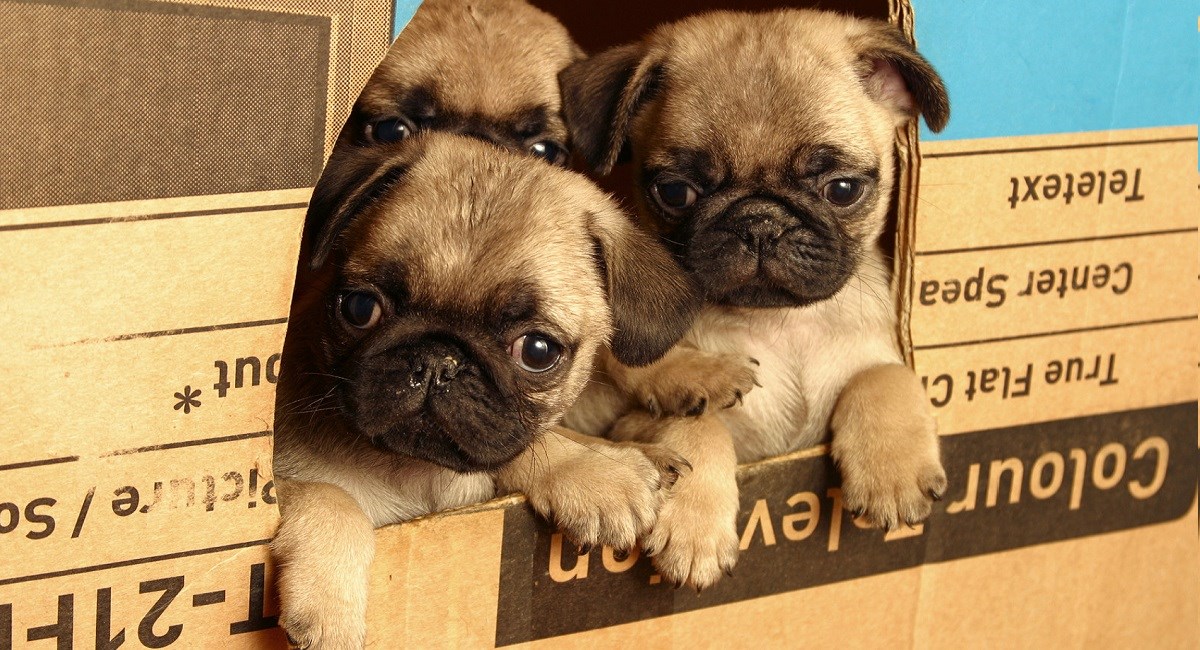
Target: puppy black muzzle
(433, 398)
(763, 252)
(430, 370)
(759, 223)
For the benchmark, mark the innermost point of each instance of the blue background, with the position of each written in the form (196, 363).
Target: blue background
(1030, 67)
(404, 12)
(1024, 67)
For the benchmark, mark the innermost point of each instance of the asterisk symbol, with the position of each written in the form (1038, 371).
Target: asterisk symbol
(187, 399)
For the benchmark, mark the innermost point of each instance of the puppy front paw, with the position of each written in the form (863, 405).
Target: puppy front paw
(608, 493)
(314, 631)
(691, 382)
(695, 540)
(322, 551)
(317, 611)
(885, 444)
(887, 491)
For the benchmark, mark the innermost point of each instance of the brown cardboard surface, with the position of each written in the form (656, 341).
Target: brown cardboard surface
(1022, 562)
(130, 316)
(138, 469)
(148, 263)
(1133, 589)
(1084, 285)
(1026, 304)
(434, 581)
(967, 188)
(865, 613)
(186, 601)
(1032, 380)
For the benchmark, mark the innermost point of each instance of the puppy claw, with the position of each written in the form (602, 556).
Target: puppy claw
(670, 465)
(653, 408)
(621, 555)
(935, 495)
(698, 408)
(754, 361)
(584, 549)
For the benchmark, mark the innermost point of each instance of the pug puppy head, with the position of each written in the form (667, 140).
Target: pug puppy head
(462, 291)
(763, 144)
(487, 69)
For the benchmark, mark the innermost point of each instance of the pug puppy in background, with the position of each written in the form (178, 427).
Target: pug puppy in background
(486, 69)
(458, 296)
(764, 155)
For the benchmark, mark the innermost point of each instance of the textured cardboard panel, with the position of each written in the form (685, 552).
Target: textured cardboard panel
(1054, 276)
(142, 336)
(123, 101)
(434, 580)
(195, 302)
(183, 600)
(1009, 488)
(1020, 381)
(95, 511)
(1112, 494)
(1132, 589)
(975, 195)
(361, 31)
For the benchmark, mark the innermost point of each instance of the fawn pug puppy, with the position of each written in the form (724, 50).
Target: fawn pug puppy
(764, 156)
(483, 68)
(457, 298)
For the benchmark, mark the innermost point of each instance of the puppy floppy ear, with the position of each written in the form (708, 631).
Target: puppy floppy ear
(653, 300)
(900, 78)
(601, 95)
(353, 179)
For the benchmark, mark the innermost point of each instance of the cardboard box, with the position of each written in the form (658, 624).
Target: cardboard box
(150, 209)
(157, 161)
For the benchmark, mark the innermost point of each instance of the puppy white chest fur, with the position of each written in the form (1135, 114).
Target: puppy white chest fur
(808, 354)
(389, 488)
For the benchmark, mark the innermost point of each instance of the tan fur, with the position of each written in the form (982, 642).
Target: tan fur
(557, 472)
(750, 88)
(687, 381)
(488, 58)
(889, 477)
(695, 539)
(469, 219)
(322, 551)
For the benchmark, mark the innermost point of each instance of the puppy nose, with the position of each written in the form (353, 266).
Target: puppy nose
(434, 371)
(429, 364)
(759, 230)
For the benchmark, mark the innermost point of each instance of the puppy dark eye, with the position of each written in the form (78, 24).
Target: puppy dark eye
(549, 151)
(390, 130)
(536, 352)
(674, 196)
(843, 191)
(360, 309)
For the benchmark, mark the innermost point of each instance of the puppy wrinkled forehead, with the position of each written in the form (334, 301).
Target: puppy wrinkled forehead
(759, 86)
(493, 57)
(468, 219)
